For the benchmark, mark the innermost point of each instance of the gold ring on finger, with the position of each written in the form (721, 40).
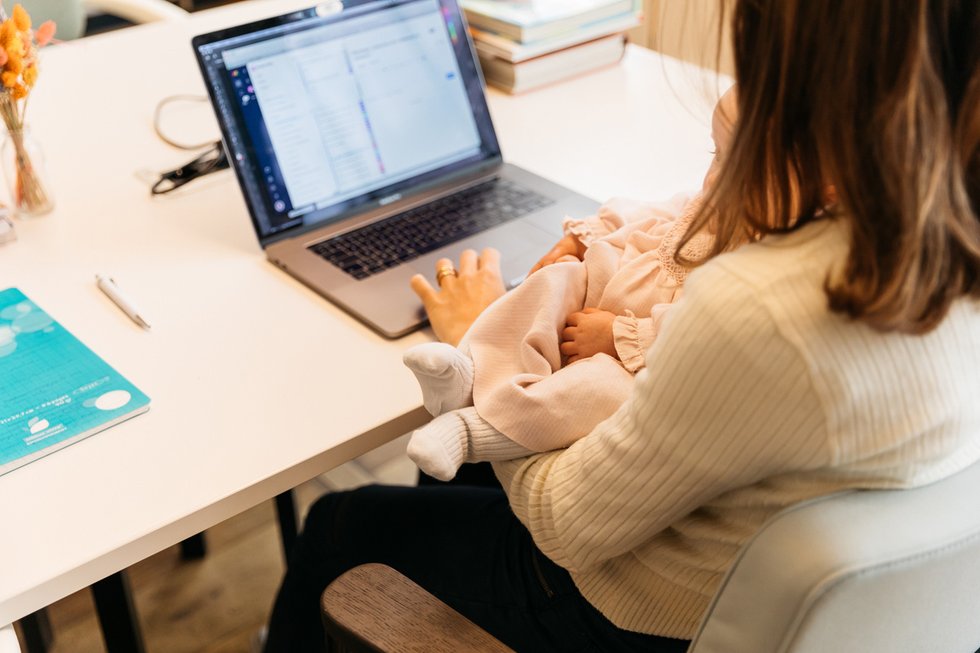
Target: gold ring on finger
(443, 272)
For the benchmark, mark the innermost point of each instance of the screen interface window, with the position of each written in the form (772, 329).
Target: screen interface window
(339, 110)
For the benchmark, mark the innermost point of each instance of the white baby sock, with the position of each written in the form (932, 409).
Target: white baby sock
(459, 436)
(439, 447)
(445, 374)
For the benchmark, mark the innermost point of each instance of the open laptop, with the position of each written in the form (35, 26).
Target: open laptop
(361, 139)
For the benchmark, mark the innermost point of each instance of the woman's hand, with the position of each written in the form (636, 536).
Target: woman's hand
(567, 246)
(460, 298)
(588, 332)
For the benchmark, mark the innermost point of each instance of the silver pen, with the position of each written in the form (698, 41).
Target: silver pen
(111, 290)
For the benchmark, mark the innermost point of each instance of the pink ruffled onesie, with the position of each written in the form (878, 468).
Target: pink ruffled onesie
(519, 386)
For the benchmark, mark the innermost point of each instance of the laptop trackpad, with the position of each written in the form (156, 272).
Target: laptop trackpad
(519, 243)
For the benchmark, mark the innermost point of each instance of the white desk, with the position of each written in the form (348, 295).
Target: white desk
(257, 383)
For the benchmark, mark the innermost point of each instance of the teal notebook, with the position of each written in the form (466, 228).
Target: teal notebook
(54, 391)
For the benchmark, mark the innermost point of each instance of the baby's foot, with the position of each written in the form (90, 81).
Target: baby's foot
(445, 374)
(438, 448)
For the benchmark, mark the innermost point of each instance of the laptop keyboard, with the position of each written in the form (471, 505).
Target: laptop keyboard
(385, 244)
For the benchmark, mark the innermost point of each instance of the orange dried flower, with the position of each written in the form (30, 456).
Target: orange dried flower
(45, 33)
(15, 63)
(16, 49)
(8, 32)
(30, 75)
(21, 18)
(18, 53)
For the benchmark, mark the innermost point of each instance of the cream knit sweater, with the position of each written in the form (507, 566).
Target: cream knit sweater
(755, 396)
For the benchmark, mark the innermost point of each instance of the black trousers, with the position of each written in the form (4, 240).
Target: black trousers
(462, 544)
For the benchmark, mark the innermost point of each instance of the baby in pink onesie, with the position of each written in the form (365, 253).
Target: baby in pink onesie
(504, 393)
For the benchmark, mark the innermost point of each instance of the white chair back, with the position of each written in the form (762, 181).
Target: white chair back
(69, 14)
(862, 572)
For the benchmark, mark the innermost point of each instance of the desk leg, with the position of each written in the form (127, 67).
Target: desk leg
(37, 633)
(117, 614)
(286, 511)
(194, 547)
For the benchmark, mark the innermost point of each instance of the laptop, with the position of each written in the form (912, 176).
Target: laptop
(361, 139)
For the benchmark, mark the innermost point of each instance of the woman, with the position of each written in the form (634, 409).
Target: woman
(839, 351)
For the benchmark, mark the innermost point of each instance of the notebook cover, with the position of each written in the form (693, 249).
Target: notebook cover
(54, 390)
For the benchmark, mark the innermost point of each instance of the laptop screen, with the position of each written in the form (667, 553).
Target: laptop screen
(324, 115)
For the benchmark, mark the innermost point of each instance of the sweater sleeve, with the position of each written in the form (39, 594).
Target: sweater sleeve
(724, 401)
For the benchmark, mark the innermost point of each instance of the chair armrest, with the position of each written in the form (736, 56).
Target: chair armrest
(373, 608)
(137, 11)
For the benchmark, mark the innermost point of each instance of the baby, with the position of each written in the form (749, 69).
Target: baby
(503, 393)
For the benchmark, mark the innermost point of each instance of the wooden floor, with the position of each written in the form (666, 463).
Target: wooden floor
(219, 603)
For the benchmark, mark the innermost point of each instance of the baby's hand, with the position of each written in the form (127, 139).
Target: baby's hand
(587, 333)
(567, 246)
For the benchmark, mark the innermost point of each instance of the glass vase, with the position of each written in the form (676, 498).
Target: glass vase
(23, 168)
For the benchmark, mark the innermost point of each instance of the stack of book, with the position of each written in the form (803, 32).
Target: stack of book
(524, 44)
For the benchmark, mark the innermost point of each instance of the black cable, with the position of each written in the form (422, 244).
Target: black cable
(212, 160)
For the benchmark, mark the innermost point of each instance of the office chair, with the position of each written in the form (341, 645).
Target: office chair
(72, 15)
(865, 572)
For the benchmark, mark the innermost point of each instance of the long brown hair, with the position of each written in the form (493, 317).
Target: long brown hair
(879, 99)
